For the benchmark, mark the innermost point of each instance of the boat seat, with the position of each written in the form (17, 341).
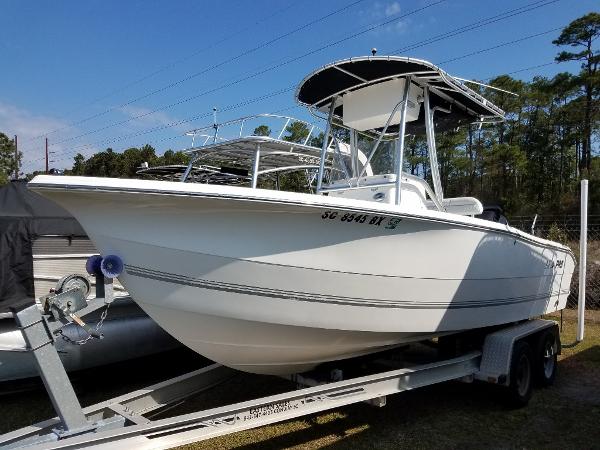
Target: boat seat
(464, 206)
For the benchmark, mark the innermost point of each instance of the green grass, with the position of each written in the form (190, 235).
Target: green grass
(457, 415)
(449, 415)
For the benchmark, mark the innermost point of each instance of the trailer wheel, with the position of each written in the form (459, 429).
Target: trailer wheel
(547, 359)
(521, 371)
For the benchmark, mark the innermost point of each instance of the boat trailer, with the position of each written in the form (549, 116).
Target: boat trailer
(126, 421)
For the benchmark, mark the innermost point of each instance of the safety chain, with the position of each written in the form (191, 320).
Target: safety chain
(84, 341)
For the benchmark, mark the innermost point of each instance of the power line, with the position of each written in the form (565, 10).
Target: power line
(463, 29)
(254, 75)
(503, 44)
(216, 66)
(249, 101)
(479, 24)
(176, 123)
(167, 66)
(183, 121)
(177, 136)
(525, 69)
(231, 108)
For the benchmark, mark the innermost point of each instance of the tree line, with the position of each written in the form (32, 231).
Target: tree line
(530, 163)
(533, 161)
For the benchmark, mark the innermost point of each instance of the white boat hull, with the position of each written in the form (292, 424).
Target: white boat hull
(269, 282)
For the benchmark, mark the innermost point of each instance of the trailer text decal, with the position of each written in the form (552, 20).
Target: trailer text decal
(270, 409)
(390, 223)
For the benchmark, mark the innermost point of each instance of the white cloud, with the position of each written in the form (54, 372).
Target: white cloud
(392, 9)
(28, 127)
(144, 127)
(382, 11)
(144, 117)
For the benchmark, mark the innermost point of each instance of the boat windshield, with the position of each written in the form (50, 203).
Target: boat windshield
(351, 150)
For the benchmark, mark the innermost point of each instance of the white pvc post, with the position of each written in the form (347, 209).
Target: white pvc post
(582, 260)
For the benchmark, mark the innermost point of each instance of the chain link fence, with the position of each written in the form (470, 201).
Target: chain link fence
(566, 230)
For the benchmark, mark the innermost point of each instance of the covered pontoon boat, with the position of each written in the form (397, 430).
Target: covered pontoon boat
(369, 257)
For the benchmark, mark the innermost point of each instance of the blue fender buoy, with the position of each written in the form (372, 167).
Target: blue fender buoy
(111, 266)
(92, 265)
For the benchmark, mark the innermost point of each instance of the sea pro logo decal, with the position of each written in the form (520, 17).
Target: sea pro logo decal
(369, 219)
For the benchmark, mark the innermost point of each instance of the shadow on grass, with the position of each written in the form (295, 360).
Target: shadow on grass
(363, 426)
(579, 376)
(447, 415)
(589, 356)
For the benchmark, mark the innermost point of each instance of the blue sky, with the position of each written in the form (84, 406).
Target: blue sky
(100, 73)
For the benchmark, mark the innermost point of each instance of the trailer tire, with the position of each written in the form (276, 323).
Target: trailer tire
(547, 358)
(521, 375)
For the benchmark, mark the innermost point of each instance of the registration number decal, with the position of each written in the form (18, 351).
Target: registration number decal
(369, 219)
(558, 264)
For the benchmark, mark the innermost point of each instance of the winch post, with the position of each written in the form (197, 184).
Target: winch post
(108, 288)
(40, 342)
(104, 288)
(100, 293)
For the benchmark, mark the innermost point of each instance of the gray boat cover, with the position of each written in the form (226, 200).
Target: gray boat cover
(25, 215)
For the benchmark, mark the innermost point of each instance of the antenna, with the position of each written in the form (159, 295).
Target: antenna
(485, 85)
(373, 51)
(215, 124)
(16, 158)
(46, 156)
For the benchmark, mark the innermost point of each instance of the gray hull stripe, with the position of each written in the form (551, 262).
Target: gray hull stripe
(331, 299)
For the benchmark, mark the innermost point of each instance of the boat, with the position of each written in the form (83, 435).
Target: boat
(368, 257)
(41, 246)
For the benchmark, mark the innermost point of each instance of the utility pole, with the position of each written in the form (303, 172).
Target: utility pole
(16, 159)
(46, 156)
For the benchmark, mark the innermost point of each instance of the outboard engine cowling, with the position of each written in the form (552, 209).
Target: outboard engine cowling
(493, 213)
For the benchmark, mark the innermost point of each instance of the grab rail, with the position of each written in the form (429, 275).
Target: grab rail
(242, 121)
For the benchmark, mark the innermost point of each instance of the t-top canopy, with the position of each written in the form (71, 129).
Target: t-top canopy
(319, 88)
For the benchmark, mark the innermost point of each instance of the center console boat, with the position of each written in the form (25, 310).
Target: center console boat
(366, 258)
